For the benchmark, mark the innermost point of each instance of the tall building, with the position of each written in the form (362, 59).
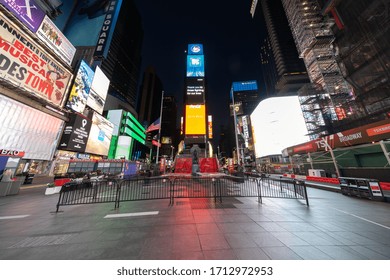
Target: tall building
(278, 51)
(329, 101)
(362, 51)
(114, 43)
(149, 100)
(268, 67)
(245, 98)
(169, 137)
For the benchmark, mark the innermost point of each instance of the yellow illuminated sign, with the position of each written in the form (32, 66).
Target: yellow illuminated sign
(195, 123)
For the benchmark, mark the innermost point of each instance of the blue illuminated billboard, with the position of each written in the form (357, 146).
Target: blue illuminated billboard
(195, 49)
(195, 66)
(244, 86)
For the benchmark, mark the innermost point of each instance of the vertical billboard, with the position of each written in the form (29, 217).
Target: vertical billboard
(75, 135)
(100, 136)
(195, 66)
(79, 94)
(210, 126)
(28, 66)
(55, 40)
(98, 92)
(27, 11)
(195, 123)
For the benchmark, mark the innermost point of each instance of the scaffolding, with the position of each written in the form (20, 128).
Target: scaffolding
(329, 99)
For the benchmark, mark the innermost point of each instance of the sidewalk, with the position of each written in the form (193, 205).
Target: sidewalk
(333, 227)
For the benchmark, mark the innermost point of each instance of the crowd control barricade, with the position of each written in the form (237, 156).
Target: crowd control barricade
(361, 187)
(148, 188)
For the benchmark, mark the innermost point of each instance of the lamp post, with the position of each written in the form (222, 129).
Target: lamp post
(333, 157)
(172, 149)
(235, 127)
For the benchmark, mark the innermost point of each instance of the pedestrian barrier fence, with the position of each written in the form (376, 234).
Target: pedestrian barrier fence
(148, 188)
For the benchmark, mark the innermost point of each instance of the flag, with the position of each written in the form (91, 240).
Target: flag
(154, 126)
(156, 141)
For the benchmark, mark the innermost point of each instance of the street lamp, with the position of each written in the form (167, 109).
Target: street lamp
(172, 149)
(324, 142)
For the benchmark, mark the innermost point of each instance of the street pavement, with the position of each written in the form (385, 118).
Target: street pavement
(334, 226)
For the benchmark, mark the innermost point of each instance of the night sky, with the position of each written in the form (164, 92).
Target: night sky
(230, 40)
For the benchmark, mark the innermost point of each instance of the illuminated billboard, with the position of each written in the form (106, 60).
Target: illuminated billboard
(195, 120)
(210, 126)
(98, 92)
(27, 12)
(55, 40)
(36, 72)
(75, 135)
(80, 90)
(278, 123)
(100, 136)
(195, 49)
(195, 91)
(195, 66)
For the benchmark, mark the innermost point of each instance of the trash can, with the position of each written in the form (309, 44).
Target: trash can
(29, 178)
(361, 187)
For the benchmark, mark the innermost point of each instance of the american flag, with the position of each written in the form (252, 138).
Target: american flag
(154, 126)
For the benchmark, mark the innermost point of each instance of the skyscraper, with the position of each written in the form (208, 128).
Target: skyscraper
(278, 51)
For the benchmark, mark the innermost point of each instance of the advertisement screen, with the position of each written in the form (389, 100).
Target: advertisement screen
(31, 68)
(98, 92)
(210, 126)
(195, 122)
(195, 66)
(26, 11)
(195, 49)
(75, 135)
(195, 91)
(100, 136)
(277, 124)
(55, 40)
(80, 90)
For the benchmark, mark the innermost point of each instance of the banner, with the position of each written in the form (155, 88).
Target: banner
(356, 136)
(24, 64)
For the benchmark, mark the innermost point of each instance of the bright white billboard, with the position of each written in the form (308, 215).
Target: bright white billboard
(22, 129)
(98, 92)
(55, 40)
(278, 123)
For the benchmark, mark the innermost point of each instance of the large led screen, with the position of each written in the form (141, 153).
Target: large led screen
(195, 122)
(195, 66)
(277, 124)
(75, 135)
(80, 90)
(100, 136)
(195, 88)
(195, 49)
(98, 92)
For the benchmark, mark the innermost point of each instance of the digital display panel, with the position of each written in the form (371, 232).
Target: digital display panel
(195, 66)
(195, 91)
(80, 89)
(75, 135)
(195, 49)
(98, 93)
(195, 122)
(277, 124)
(100, 136)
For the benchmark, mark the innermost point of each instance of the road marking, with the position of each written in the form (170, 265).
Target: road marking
(364, 219)
(13, 217)
(132, 214)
